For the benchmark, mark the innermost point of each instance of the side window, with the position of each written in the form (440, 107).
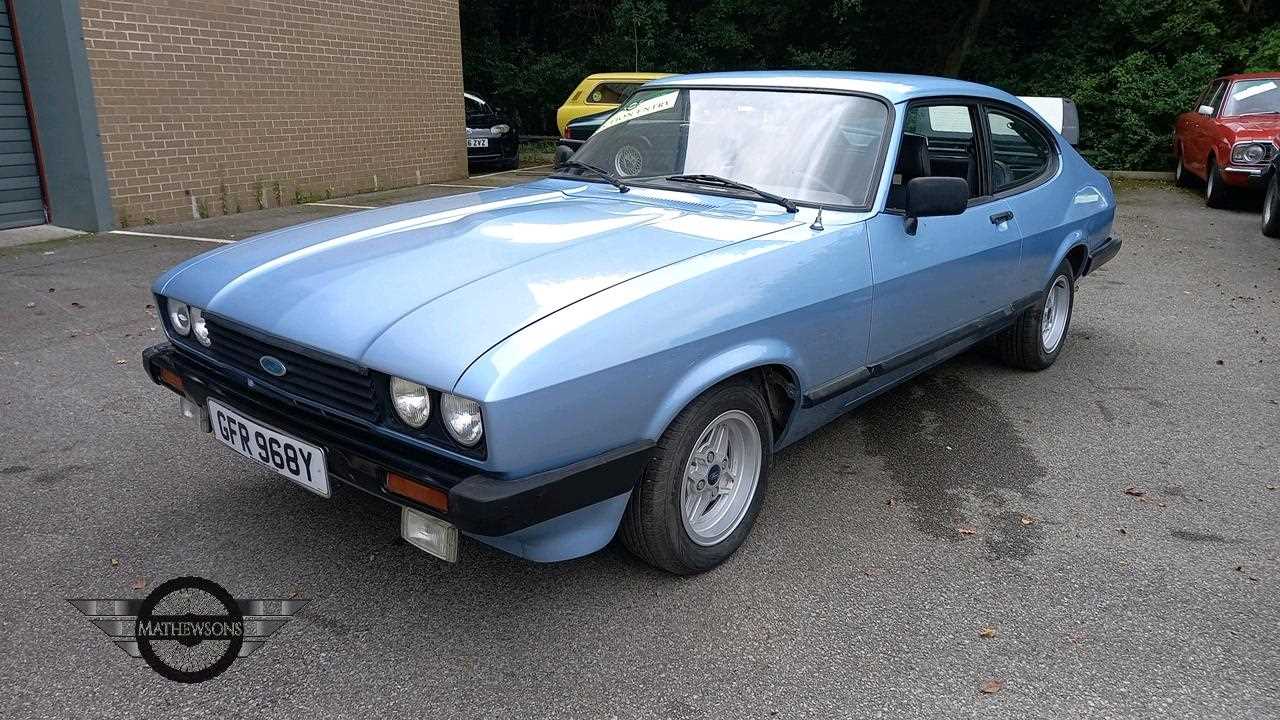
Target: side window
(1020, 152)
(1215, 102)
(938, 141)
(610, 93)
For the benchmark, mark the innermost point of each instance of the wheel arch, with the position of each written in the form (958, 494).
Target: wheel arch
(768, 363)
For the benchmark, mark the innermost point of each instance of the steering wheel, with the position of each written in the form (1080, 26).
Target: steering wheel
(811, 180)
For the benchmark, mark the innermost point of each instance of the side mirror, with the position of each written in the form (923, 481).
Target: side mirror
(1206, 110)
(934, 197)
(563, 153)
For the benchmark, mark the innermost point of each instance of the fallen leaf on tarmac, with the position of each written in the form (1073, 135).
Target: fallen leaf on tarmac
(890, 503)
(139, 584)
(30, 305)
(51, 290)
(121, 362)
(1134, 491)
(967, 531)
(1271, 487)
(115, 562)
(76, 305)
(150, 306)
(987, 632)
(992, 686)
(1239, 568)
(1122, 531)
(1027, 520)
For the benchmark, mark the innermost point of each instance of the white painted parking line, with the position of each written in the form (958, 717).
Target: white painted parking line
(504, 172)
(337, 205)
(170, 237)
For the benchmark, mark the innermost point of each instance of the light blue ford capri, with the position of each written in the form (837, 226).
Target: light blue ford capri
(730, 262)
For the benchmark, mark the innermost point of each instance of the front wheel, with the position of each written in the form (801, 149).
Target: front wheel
(1037, 336)
(1271, 207)
(1215, 190)
(701, 492)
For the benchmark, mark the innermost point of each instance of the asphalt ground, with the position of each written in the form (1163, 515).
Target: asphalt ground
(1112, 520)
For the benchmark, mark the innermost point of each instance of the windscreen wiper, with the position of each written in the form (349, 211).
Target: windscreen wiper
(598, 172)
(705, 179)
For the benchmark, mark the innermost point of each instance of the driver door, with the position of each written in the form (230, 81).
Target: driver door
(934, 286)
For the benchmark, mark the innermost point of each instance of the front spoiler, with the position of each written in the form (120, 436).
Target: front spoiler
(478, 504)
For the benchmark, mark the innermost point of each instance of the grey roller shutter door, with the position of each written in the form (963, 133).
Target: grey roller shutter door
(21, 202)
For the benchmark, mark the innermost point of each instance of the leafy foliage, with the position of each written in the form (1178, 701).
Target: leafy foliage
(1130, 65)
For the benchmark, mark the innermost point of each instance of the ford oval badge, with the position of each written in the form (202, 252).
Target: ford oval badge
(272, 365)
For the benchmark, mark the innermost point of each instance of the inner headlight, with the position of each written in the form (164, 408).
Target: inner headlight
(501, 129)
(411, 401)
(179, 316)
(198, 327)
(462, 418)
(1251, 153)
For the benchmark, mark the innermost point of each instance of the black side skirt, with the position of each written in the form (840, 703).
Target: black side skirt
(986, 325)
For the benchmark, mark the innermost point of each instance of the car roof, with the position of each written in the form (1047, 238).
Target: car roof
(641, 76)
(1252, 76)
(893, 87)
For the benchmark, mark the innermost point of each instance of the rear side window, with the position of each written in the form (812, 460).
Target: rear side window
(611, 93)
(1020, 152)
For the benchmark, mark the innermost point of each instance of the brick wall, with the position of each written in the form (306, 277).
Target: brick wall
(249, 103)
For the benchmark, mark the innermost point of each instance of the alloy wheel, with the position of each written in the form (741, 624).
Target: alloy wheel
(721, 474)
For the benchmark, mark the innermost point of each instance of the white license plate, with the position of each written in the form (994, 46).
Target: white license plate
(477, 142)
(301, 462)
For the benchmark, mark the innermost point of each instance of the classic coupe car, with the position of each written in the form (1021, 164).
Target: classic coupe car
(600, 93)
(1229, 140)
(731, 262)
(491, 135)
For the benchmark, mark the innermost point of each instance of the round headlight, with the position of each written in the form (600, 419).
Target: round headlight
(1255, 154)
(502, 129)
(179, 317)
(411, 401)
(462, 418)
(198, 327)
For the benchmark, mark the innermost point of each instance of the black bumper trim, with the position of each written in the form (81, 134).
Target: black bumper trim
(1107, 250)
(479, 504)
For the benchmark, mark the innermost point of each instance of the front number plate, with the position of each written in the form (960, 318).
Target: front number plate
(478, 143)
(301, 462)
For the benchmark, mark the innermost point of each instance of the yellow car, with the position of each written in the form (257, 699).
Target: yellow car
(600, 92)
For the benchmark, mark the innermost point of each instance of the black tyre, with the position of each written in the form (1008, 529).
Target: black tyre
(1215, 190)
(701, 492)
(1181, 175)
(1271, 207)
(1038, 335)
(512, 164)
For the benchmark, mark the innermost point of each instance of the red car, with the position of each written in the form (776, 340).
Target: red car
(1230, 138)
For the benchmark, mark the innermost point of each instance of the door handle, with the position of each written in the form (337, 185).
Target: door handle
(1003, 217)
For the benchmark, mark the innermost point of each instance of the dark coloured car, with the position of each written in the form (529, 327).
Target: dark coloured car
(491, 135)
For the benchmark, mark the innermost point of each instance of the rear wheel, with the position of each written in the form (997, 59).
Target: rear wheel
(1038, 335)
(701, 492)
(1271, 207)
(1215, 191)
(1181, 175)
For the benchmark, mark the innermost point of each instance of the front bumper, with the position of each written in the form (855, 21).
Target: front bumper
(1246, 177)
(478, 504)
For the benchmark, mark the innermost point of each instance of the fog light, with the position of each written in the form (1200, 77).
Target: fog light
(196, 414)
(431, 535)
